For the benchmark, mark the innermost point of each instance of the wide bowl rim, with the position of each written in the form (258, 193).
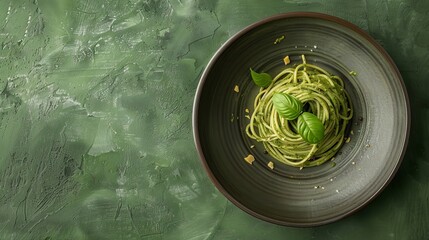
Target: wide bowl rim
(242, 32)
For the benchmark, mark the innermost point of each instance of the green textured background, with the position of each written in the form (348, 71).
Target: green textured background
(95, 119)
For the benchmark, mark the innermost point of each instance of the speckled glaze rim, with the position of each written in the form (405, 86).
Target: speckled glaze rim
(220, 51)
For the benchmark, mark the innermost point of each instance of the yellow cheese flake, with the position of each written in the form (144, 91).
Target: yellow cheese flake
(286, 60)
(249, 159)
(247, 110)
(271, 165)
(348, 140)
(236, 89)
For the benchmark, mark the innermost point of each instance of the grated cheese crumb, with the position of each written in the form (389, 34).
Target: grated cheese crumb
(271, 165)
(286, 60)
(249, 159)
(236, 89)
(247, 110)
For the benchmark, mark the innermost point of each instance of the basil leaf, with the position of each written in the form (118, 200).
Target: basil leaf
(287, 106)
(310, 128)
(261, 79)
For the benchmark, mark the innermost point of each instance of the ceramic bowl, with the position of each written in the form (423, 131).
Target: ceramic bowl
(286, 195)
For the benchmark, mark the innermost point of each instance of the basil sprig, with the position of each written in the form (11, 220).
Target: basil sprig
(261, 79)
(309, 127)
(287, 106)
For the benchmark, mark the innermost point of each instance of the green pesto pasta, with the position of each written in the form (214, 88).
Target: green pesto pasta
(321, 94)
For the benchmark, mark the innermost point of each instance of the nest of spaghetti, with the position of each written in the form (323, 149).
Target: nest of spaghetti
(321, 94)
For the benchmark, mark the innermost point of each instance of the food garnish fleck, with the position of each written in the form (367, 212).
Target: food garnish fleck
(353, 73)
(286, 60)
(271, 165)
(236, 89)
(279, 39)
(249, 159)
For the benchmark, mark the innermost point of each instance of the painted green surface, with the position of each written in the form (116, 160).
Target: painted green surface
(95, 119)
